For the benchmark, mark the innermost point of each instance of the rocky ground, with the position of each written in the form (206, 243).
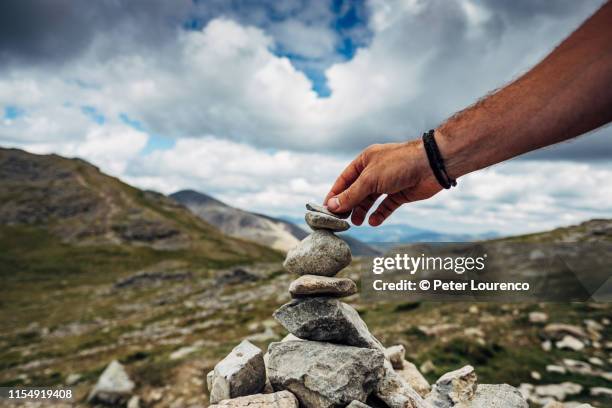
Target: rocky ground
(169, 326)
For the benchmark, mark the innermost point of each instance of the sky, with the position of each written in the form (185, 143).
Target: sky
(262, 103)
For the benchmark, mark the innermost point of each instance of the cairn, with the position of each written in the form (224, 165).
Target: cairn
(330, 359)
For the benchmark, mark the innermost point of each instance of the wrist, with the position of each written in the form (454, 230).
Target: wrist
(455, 154)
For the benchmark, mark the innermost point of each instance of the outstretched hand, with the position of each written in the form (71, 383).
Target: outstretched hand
(400, 170)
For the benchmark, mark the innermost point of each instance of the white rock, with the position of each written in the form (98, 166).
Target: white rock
(558, 391)
(546, 345)
(551, 368)
(241, 372)
(596, 361)
(570, 343)
(427, 367)
(536, 376)
(182, 352)
(601, 391)
(538, 317)
(134, 402)
(113, 387)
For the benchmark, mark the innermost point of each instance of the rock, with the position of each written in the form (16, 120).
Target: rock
(241, 372)
(453, 388)
(554, 404)
(414, 378)
(321, 253)
(538, 317)
(183, 352)
(601, 391)
(497, 396)
(536, 375)
(357, 404)
(291, 337)
(546, 345)
(570, 342)
(325, 319)
(313, 285)
(428, 367)
(395, 354)
(596, 361)
(324, 375)
(114, 386)
(318, 220)
(396, 392)
(558, 330)
(281, 399)
(134, 402)
(323, 210)
(73, 378)
(558, 391)
(551, 368)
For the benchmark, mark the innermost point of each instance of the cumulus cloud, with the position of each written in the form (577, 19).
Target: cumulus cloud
(233, 93)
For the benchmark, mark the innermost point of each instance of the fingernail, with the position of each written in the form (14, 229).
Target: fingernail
(333, 203)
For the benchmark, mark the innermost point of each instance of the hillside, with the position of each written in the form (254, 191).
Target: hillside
(84, 283)
(273, 232)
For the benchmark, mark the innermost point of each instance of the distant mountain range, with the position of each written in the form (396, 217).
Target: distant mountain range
(403, 234)
(274, 232)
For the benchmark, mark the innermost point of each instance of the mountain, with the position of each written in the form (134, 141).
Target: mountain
(73, 204)
(274, 232)
(402, 233)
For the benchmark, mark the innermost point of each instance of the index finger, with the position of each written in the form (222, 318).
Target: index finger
(345, 179)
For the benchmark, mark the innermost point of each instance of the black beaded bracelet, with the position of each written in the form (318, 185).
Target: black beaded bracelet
(435, 160)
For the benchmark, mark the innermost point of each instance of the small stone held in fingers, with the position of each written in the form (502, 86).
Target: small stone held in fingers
(324, 210)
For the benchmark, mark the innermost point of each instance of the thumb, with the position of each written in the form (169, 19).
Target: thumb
(351, 197)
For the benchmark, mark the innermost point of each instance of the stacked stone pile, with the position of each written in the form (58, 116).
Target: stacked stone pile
(330, 359)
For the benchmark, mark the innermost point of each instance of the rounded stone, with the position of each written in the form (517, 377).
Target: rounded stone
(317, 220)
(321, 253)
(312, 285)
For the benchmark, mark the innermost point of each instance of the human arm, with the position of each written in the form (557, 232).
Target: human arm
(567, 94)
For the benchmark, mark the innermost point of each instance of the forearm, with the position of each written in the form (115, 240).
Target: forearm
(567, 94)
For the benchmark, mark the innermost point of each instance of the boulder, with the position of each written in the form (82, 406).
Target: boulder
(454, 388)
(324, 375)
(114, 387)
(321, 253)
(396, 392)
(497, 396)
(538, 317)
(282, 399)
(325, 319)
(241, 372)
(313, 285)
(318, 220)
(414, 378)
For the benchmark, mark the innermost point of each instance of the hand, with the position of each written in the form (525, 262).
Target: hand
(400, 170)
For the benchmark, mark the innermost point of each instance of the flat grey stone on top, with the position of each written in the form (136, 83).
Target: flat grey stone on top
(324, 210)
(317, 220)
(326, 319)
(241, 372)
(114, 385)
(313, 285)
(321, 253)
(324, 375)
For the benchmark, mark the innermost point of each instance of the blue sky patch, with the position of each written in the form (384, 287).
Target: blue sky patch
(12, 112)
(93, 114)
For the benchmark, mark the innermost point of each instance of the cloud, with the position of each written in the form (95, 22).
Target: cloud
(233, 93)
